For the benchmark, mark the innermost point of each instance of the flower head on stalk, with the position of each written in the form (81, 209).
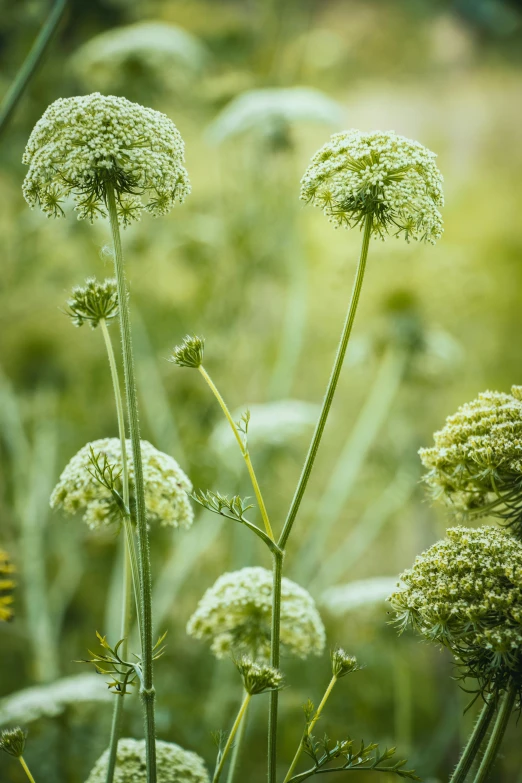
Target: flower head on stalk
(189, 353)
(342, 663)
(465, 593)
(83, 145)
(258, 677)
(234, 615)
(475, 465)
(12, 741)
(174, 764)
(381, 175)
(7, 585)
(93, 302)
(91, 484)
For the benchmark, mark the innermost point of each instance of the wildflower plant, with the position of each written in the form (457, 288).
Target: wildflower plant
(174, 764)
(12, 742)
(114, 158)
(94, 302)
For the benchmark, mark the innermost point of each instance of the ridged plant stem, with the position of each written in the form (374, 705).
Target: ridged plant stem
(497, 735)
(147, 686)
(301, 487)
(31, 63)
(475, 741)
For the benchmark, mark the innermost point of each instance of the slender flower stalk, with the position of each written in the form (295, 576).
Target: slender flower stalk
(244, 451)
(497, 735)
(26, 769)
(237, 747)
(239, 718)
(12, 742)
(31, 62)
(475, 741)
(310, 727)
(277, 559)
(147, 687)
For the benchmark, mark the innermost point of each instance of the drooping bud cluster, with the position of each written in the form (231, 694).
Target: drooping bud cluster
(93, 302)
(258, 677)
(189, 353)
(388, 178)
(465, 593)
(12, 741)
(85, 144)
(475, 466)
(7, 586)
(166, 486)
(342, 663)
(235, 614)
(174, 765)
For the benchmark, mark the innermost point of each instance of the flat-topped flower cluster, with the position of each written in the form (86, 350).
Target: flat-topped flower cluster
(475, 465)
(166, 486)
(390, 178)
(465, 592)
(174, 764)
(235, 616)
(82, 145)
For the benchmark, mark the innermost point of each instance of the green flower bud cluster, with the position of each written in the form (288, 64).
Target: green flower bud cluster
(84, 144)
(189, 353)
(235, 616)
(342, 663)
(475, 466)
(166, 486)
(389, 178)
(93, 302)
(12, 741)
(465, 593)
(174, 765)
(7, 585)
(258, 677)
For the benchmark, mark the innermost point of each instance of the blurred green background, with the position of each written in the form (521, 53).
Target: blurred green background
(266, 280)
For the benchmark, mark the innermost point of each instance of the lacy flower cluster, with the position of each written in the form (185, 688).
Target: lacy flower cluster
(465, 593)
(389, 178)
(84, 144)
(166, 486)
(6, 587)
(234, 615)
(174, 765)
(475, 465)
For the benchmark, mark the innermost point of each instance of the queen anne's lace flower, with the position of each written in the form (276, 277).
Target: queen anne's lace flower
(388, 177)
(166, 486)
(475, 465)
(6, 587)
(174, 765)
(235, 616)
(83, 144)
(465, 593)
(93, 302)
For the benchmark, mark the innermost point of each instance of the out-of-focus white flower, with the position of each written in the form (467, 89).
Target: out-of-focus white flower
(361, 594)
(174, 764)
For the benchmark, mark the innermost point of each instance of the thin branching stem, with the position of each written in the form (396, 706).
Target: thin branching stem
(497, 735)
(475, 741)
(301, 487)
(239, 717)
(244, 451)
(234, 761)
(310, 728)
(31, 63)
(147, 686)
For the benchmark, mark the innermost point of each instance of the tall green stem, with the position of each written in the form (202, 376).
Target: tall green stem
(475, 741)
(130, 560)
(26, 769)
(230, 740)
(147, 687)
(243, 448)
(301, 487)
(31, 63)
(497, 735)
(310, 728)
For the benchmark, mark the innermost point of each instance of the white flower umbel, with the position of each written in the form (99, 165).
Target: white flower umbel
(84, 144)
(391, 178)
(174, 765)
(166, 486)
(234, 615)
